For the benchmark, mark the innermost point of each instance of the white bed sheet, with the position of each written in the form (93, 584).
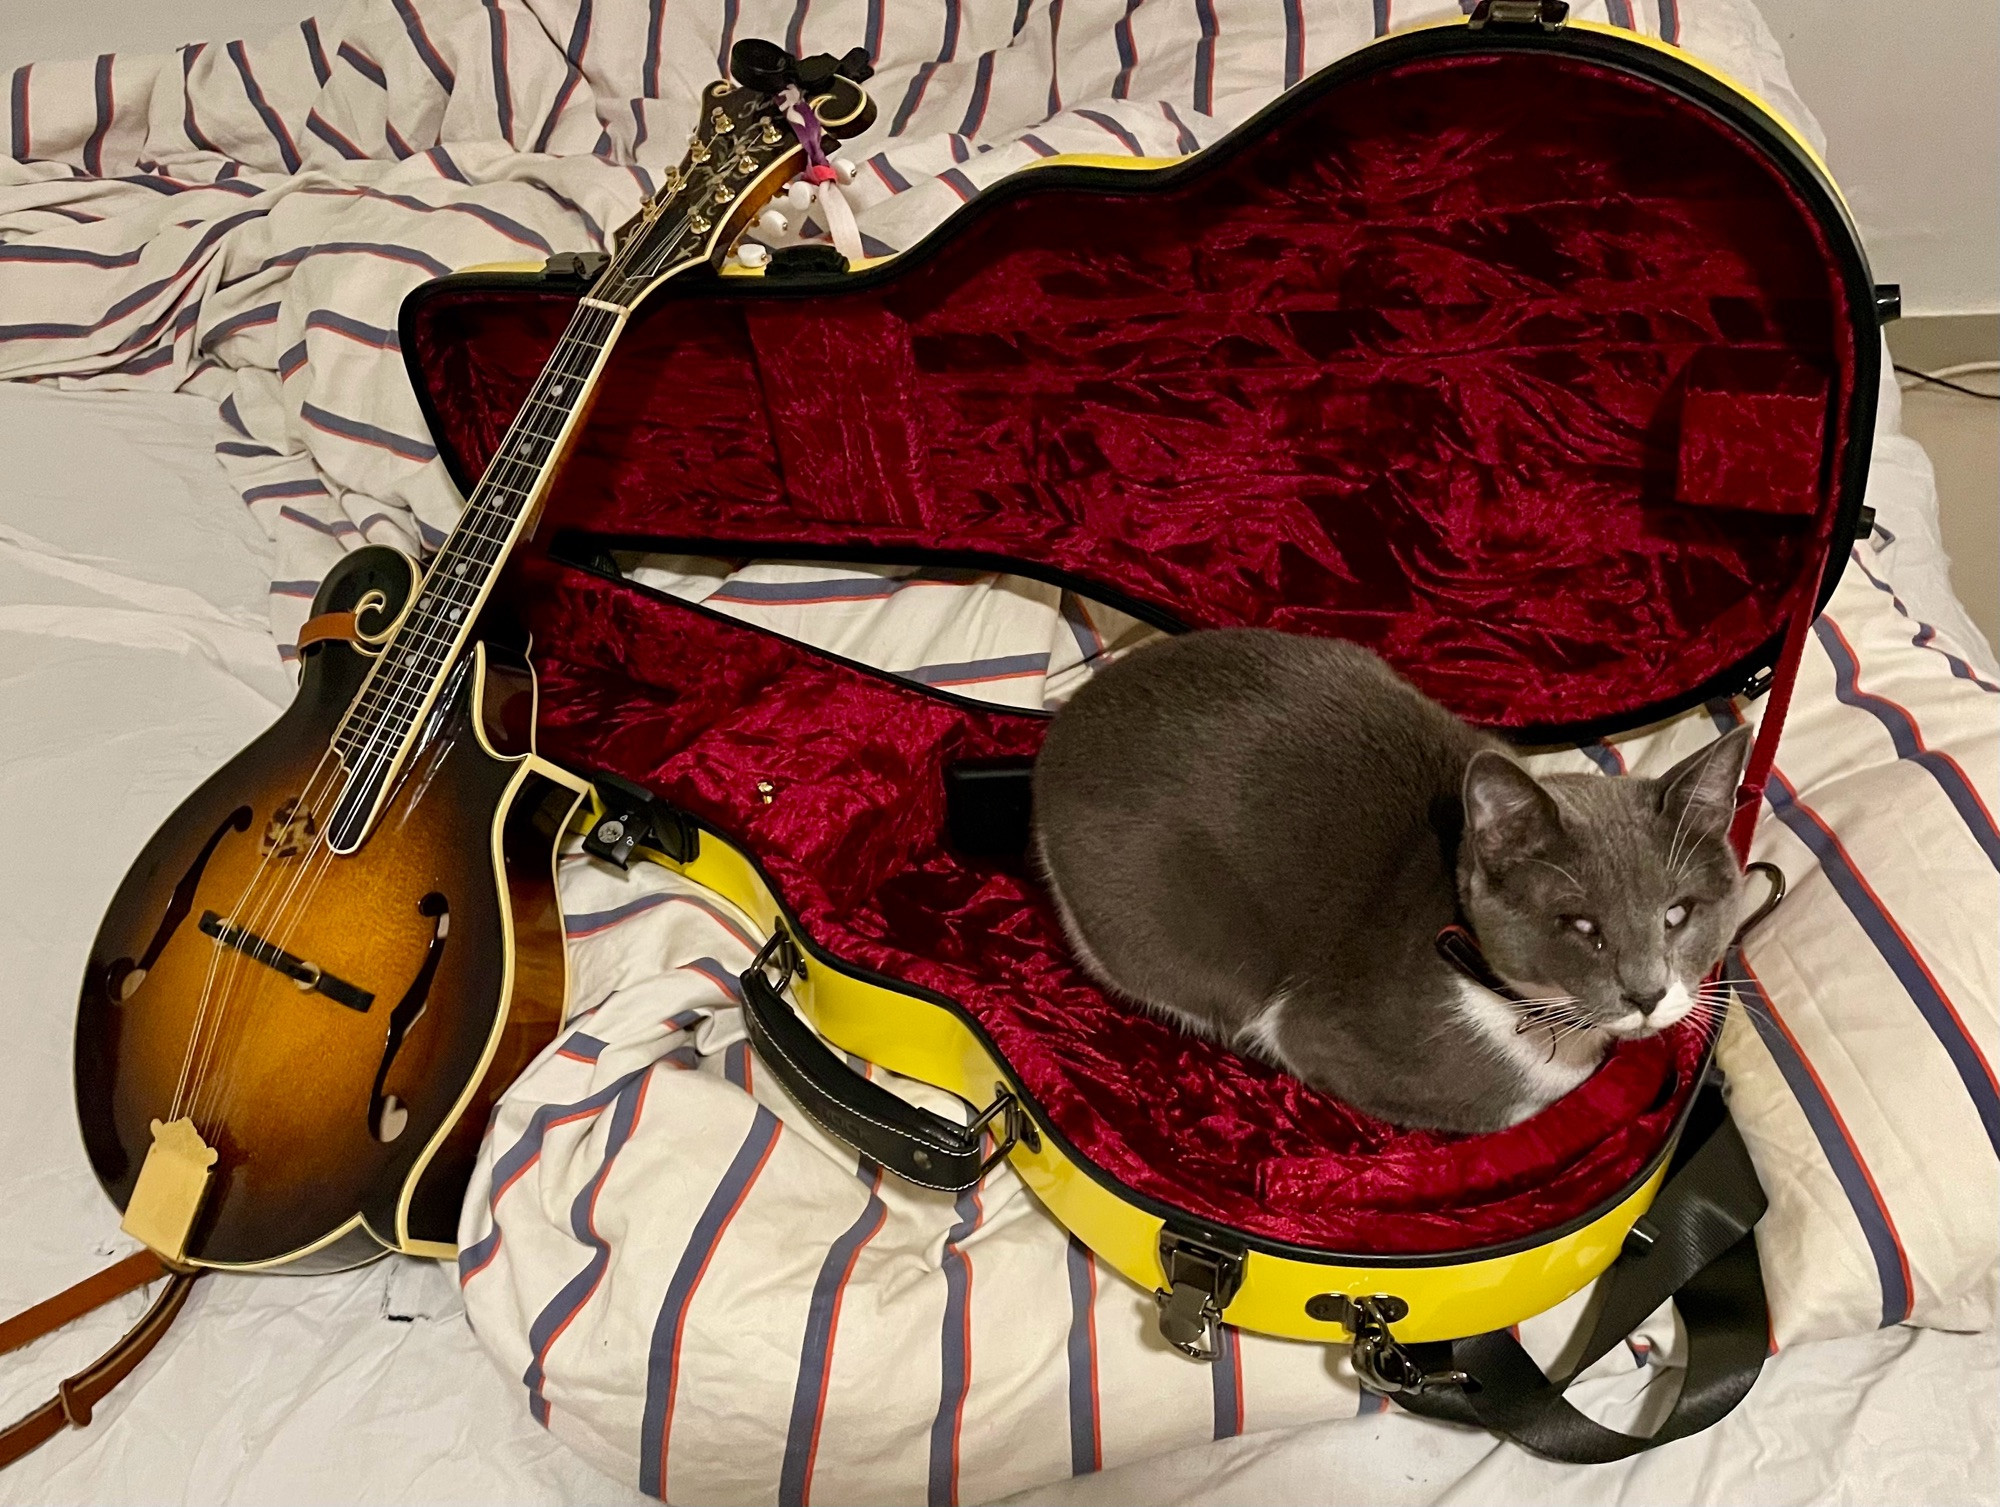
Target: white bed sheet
(134, 657)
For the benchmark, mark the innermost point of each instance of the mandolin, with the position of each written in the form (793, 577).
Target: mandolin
(328, 963)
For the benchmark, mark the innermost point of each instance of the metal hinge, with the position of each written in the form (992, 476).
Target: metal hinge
(632, 816)
(1381, 1364)
(1201, 1279)
(1549, 15)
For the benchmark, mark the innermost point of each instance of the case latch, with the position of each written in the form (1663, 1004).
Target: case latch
(1548, 15)
(1201, 1279)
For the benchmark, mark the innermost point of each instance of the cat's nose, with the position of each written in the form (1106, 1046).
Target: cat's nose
(1644, 1003)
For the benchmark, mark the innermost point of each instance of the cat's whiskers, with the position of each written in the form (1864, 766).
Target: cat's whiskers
(1562, 871)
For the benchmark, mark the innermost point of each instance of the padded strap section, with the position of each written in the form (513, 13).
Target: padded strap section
(340, 625)
(1695, 1246)
(80, 1394)
(924, 1148)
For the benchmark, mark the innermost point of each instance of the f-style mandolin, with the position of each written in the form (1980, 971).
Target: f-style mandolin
(332, 958)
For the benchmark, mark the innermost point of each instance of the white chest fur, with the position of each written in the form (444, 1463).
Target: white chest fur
(1545, 1076)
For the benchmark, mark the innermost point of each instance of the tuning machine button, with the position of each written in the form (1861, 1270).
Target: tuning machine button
(844, 169)
(799, 194)
(771, 223)
(752, 254)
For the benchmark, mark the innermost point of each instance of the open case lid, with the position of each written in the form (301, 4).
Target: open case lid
(1542, 363)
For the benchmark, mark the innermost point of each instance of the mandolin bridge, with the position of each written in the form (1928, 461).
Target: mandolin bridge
(310, 977)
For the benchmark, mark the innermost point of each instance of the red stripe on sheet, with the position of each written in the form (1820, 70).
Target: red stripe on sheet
(681, 1293)
(1833, 1116)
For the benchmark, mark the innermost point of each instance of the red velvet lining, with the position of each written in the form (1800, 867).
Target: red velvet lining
(707, 712)
(1521, 371)
(1410, 371)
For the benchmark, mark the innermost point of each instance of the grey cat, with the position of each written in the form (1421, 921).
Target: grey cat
(1260, 835)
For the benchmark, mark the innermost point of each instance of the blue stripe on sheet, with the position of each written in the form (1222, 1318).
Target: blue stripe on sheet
(1086, 1423)
(956, 1353)
(664, 1352)
(368, 434)
(354, 329)
(315, 53)
(288, 151)
(561, 1310)
(421, 41)
(822, 1321)
(1836, 1144)
(303, 487)
(1125, 138)
(1907, 740)
(362, 64)
(93, 149)
(1000, 667)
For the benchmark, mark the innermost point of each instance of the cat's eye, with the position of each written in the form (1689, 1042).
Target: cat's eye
(1583, 926)
(1677, 913)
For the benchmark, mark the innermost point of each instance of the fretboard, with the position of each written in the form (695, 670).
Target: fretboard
(454, 586)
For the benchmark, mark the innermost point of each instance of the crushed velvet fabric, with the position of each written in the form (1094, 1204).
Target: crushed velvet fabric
(1409, 369)
(704, 711)
(1525, 373)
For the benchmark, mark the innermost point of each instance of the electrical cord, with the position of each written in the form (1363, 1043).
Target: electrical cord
(1942, 377)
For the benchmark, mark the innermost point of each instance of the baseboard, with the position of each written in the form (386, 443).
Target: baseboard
(1930, 341)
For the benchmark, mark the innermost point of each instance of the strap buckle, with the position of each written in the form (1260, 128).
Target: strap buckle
(1382, 1364)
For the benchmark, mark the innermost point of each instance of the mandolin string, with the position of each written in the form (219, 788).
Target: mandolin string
(313, 866)
(316, 862)
(219, 958)
(486, 551)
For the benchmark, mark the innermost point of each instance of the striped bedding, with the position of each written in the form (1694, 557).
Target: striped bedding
(678, 1276)
(695, 1288)
(241, 219)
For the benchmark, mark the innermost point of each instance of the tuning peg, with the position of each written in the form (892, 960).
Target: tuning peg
(844, 169)
(771, 223)
(745, 165)
(799, 194)
(697, 150)
(752, 254)
(770, 135)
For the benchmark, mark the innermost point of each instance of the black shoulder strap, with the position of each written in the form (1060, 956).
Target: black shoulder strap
(1695, 1246)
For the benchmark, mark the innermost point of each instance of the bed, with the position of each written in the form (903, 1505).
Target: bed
(137, 650)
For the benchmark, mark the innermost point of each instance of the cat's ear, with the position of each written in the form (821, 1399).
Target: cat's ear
(1702, 787)
(1508, 816)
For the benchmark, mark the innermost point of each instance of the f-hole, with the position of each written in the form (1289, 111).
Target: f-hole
(123, 978)
(388, 1116)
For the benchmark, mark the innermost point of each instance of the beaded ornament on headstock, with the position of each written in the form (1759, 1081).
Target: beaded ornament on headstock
(777, 120)
(750, 138)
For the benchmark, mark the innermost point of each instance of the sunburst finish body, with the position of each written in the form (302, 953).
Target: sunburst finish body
(346, 1114)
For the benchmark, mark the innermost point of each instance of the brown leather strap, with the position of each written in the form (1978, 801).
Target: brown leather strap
(327, 625)
(80, 1394)
(136, 1270)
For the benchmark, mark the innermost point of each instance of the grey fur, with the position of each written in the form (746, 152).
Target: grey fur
(1259, 835)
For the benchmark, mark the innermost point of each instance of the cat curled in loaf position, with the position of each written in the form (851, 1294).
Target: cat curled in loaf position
(1260, 835)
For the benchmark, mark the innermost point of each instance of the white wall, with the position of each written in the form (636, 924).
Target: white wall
(1909, 94)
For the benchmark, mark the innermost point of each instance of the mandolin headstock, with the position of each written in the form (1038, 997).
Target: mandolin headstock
(744, 149)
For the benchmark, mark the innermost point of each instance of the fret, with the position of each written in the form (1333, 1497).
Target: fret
(402, 685)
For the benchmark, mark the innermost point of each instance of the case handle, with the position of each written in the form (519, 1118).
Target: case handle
(913, 1143)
